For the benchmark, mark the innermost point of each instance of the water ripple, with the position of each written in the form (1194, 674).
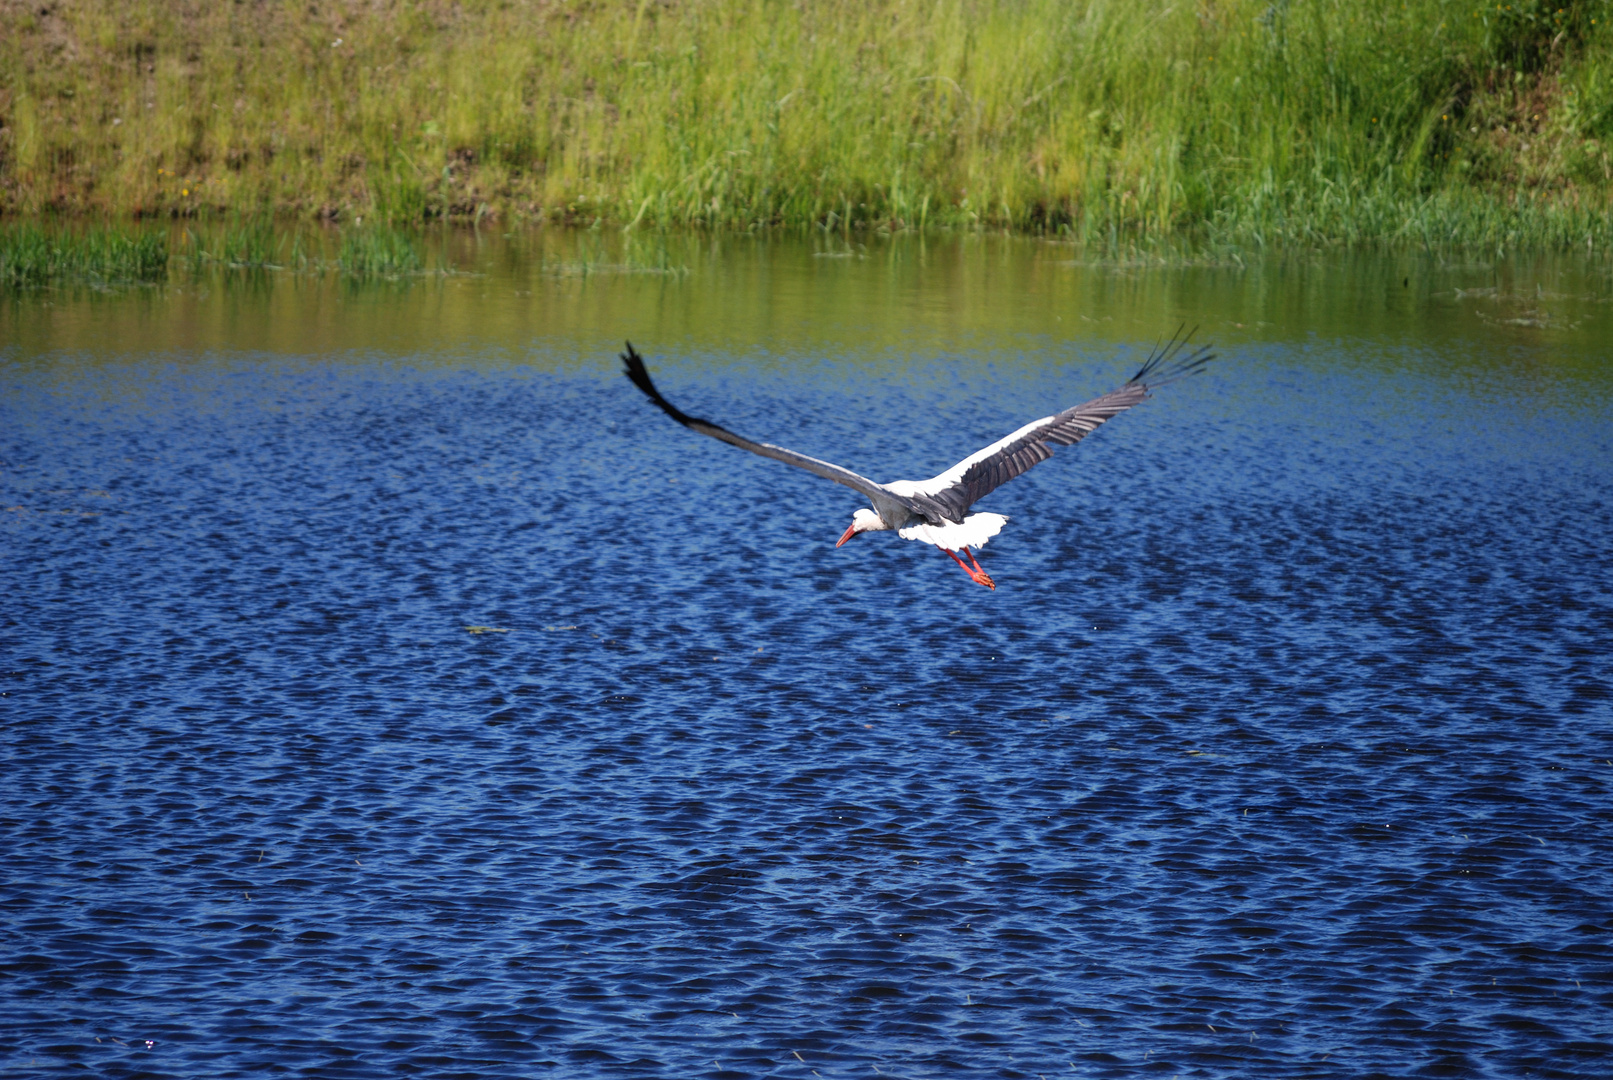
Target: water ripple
(1283, 750)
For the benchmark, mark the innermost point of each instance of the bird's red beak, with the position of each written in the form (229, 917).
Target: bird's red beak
(847, 535)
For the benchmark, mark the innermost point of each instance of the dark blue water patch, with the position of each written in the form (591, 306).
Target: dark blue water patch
(1283, 748)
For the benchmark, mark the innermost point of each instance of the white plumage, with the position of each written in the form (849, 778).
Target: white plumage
(972, 531)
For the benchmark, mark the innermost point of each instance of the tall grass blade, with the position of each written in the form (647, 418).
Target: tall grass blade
(33, 256)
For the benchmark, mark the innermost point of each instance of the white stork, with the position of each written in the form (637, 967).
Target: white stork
(936, 510)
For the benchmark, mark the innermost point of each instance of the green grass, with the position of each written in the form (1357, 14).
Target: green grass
(31, 256)
(1236, 121)
(377, 251)
(259, 244)
(243, 244)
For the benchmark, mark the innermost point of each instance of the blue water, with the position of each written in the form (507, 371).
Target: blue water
(369, 714)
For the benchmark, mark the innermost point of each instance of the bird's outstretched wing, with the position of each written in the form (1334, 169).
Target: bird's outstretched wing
(825, 469)
(986, 470)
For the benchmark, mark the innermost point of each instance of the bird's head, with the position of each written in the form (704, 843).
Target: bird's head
(861, 521)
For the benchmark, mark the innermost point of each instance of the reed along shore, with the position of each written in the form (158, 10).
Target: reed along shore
(1277, 121)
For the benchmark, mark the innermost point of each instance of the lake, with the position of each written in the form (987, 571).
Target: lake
(389, 689)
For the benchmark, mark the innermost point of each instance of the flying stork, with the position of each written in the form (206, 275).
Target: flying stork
(936, 510)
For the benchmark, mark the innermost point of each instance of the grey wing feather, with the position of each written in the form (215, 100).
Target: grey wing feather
(983, 472)
(828, 470)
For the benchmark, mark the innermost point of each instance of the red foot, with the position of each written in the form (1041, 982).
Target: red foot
(976, 574)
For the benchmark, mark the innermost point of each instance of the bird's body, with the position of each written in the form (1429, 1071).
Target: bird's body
(936, 511)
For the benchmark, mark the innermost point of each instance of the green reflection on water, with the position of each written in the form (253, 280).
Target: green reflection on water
(554, 298)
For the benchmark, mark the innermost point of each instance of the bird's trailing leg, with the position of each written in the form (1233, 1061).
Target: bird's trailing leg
(976, 574)
(984, 578)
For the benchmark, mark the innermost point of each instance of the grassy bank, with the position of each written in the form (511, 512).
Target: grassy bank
(1241, 121)
(31, 256)
(119, 254)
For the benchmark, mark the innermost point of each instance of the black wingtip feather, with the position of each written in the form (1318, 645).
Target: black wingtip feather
(641, 379)
(1166, 363)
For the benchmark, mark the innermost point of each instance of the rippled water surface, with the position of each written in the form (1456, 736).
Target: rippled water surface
(389, 690)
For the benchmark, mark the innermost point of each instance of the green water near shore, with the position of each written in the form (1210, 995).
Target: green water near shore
(554, 298)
